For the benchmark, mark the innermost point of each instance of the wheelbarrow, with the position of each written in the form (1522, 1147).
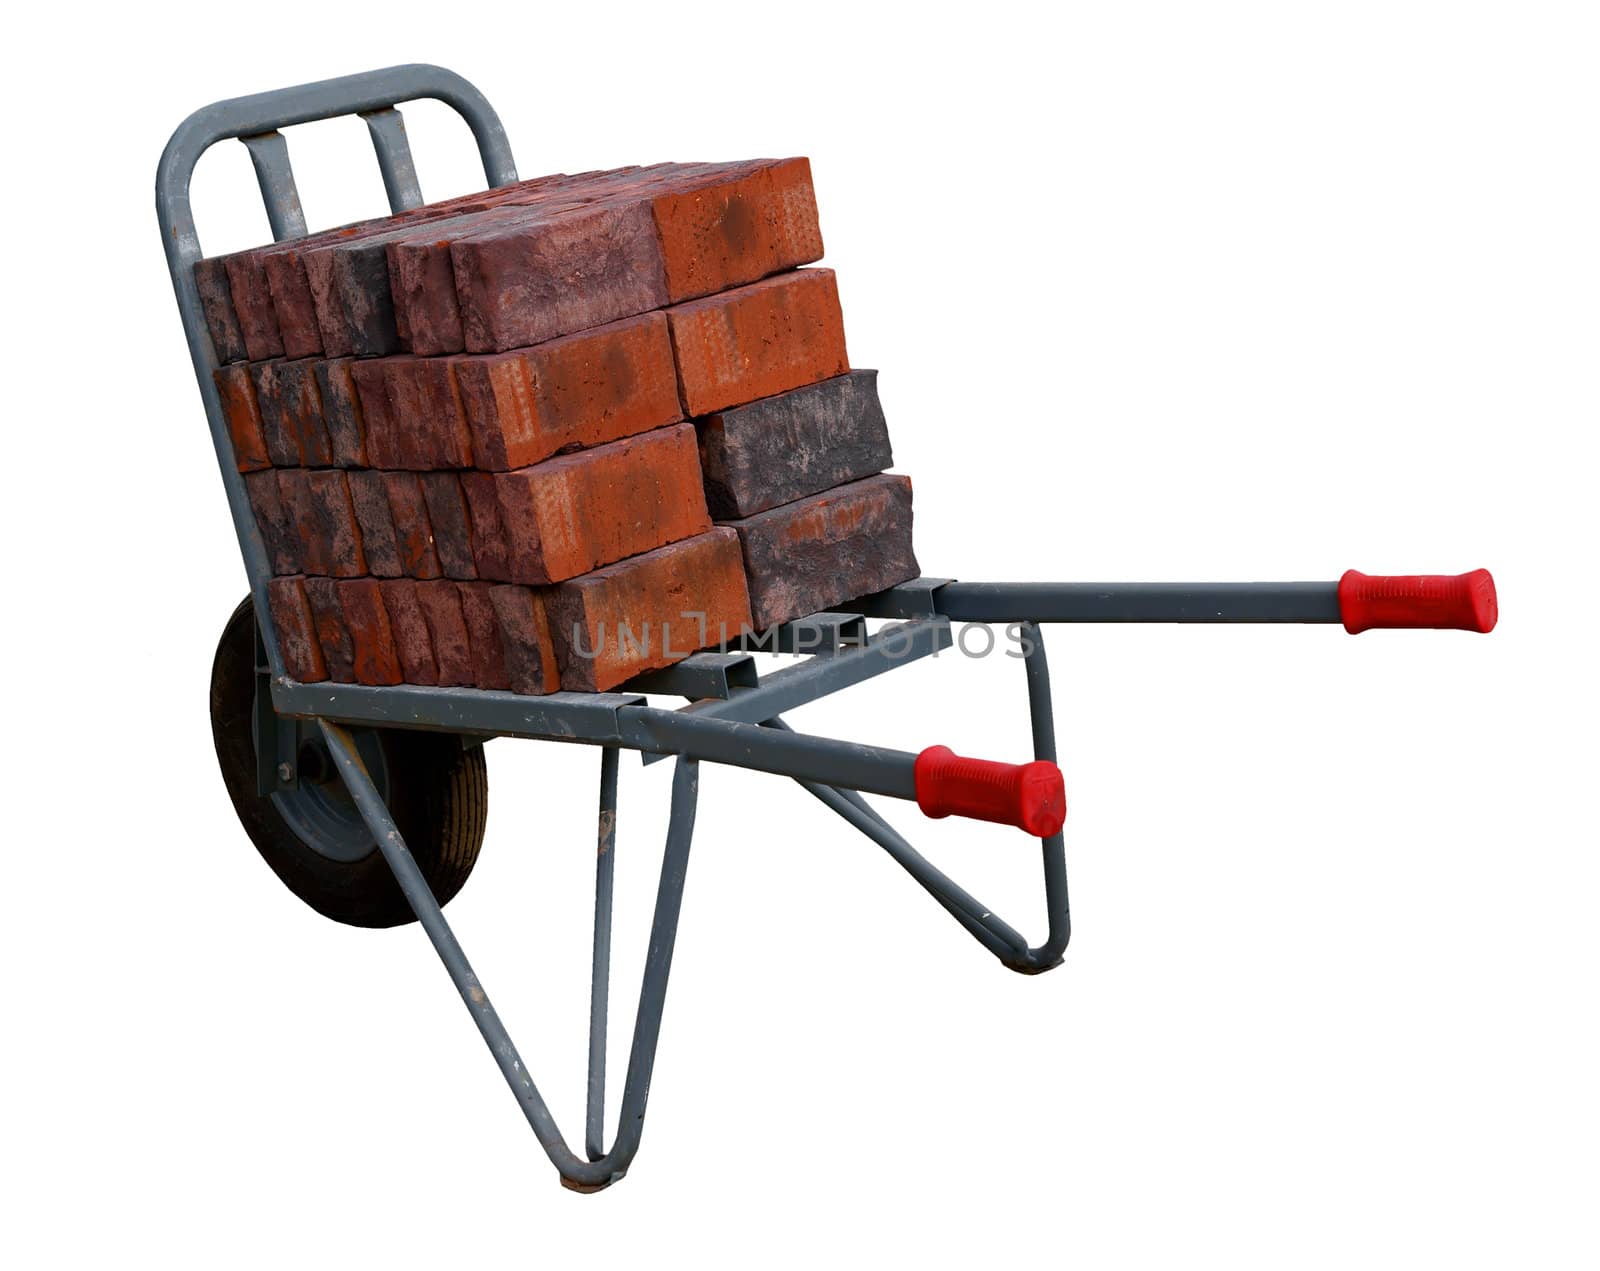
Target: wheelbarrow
(369, 802)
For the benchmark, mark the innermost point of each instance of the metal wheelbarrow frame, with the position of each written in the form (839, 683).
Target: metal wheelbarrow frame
(734, 713)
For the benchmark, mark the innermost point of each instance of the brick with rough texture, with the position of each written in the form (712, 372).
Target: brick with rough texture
(379, 428)
(216, 306)
(338, 654)
(580, 390)
(759, 340)
(341, 413)
(412, 642)
(451, 524)
(430, 428)
(252, 304)
(369, 497)
(784, 448)
(484, 641)
(813, 554)
(296, 627)
(515, 283)
(649, 611)
(413, 531)
(490, 554)
(440, 603)
(243, 417)
(530, 656)
(277, 527)
(294, 492)
(291, 411)
(372, 651)
(565, 516)
(318, 504)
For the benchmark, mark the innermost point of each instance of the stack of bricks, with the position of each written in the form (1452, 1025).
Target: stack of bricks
(555, 434)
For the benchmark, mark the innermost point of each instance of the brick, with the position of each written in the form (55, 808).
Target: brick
(242, 417)
(412, 642)
(740, 223)
(440, 603)
(649, 611)
(296, 627)
(216, 306)
(784, 448)
(341, 413)
(450, 522)
(483, 636)
(412, 530)
(430, 428)
(369, 497)
(372, 651)
(338, 654)
(818, 552)
(530, 657)
(291, 411)
(759, 340)
(565, 516)
(291, 302)
(318, 504)
(379, 428)
(579, 390)
(278, 532)
(252, 304)
(294, 493)
(515, 283)
(485, 527)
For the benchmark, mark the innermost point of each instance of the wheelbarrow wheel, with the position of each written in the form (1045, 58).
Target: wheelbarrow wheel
(436, 788)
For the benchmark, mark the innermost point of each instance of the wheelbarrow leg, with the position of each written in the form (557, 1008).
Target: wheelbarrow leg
(600, 974)
(999, 937)
(576, 1173)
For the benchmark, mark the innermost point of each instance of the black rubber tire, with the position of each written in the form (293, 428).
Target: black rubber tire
(438, 795)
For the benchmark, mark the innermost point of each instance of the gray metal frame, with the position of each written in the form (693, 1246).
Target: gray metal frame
(734, 716)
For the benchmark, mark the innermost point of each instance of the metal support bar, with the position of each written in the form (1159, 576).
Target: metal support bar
(818, 634)
(388, 130)
(270, 155)
(699, 675)
(600, 971)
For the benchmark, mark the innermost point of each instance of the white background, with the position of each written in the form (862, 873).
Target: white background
(1158, 291)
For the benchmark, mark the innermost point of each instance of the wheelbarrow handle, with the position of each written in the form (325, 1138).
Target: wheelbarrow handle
(1030, 796)
(1455, 602)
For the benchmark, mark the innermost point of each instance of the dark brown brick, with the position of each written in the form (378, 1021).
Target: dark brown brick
(412, 642)
(784, 448)
(369, 496)
(252, 304)
(648, 611)
(296, 627)
(530, 656)
(341, 413)
(291, 411)
(216, 305)
(317, 502)
(483, 636)
(291, 301)
(451, 524)
(565, 516)
(759, 340)
(430, 426)
(242, 416)
(338, 654)
(379, 428)
(816, 553)
(579, 390)
(278, 533)
(372, 649)
(412, 530)
(490, 553)
(300, 507)
(447, 632)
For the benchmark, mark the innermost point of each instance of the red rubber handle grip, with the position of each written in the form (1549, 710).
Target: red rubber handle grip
(1458, 602)
(1030, 796)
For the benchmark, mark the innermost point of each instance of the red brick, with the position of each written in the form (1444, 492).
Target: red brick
(380, 430)
(490, 552)
(758, 340)
(483, 636)
(318, 503)
(815, 553)
(216, 305)
(243, 417)
(296, 628)
(516, 283)
(291, 299)
(278, 533)
(252, 304)
(372, 648)
(579, 390)
(736, 225)
(569, 514)
(291, 411)
(341, 413)
(412, 530)
(429, 424)
(369, 497)
(294, 492)
(328, 614)
(525, 636)
(450, 522)
(412, 642)
(447, 631)
(649, 611)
